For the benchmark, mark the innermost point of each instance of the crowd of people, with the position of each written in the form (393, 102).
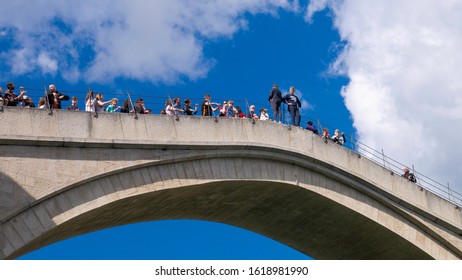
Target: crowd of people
(53, 99)
(95, 103)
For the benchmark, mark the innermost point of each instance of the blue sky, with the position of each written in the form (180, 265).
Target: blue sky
(384, 71)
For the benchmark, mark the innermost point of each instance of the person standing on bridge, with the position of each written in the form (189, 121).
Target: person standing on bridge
(275, 98)
(230, 110)
(207, 106)
(177, 106)
(339, 137)
(10, 98)
(54, 97)
(264, 114)
(99, 103)
(408, 175)
(252, 113)
(89, 100)
(73, 106)
(294, 106)
(187, 107)
(125, 106)
(325, 135)
(113, 106)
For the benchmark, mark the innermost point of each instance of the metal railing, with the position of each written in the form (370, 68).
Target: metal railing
(423, 181)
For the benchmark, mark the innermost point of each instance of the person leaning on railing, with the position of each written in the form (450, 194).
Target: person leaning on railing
(139, 107)
(408, 175)
(125, 108)
(311, 127)
(339, 137)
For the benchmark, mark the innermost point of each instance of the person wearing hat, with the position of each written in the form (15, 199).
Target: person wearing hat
(338, 137)
(27, 102)
(252, 113)
(264, 114)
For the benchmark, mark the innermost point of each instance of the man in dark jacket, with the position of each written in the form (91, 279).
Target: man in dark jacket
(408, 175)
(294, 106)
(275, 98)
(55, 98)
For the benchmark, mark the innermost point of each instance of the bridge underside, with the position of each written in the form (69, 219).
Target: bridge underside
(299, 218)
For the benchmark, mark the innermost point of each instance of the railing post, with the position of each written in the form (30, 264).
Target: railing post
(50, 109)
(383, 158)
(413, 171)
(353, 144)
(319, 125)
(131, 104)
(449, 193)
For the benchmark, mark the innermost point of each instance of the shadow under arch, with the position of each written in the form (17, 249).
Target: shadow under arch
(294, 216)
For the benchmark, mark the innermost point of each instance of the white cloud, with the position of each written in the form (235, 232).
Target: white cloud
(47, 64)
(143, 40)
(306, 106)
(19, 61)
(403, 60)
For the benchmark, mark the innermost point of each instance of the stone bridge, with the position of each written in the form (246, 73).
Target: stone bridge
(70, 173)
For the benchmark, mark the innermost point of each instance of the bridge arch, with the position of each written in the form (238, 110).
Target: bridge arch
(296, 198)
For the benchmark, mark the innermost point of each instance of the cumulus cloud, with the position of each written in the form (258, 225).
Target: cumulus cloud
(403, 61)
(47, 64)
(102, 40)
